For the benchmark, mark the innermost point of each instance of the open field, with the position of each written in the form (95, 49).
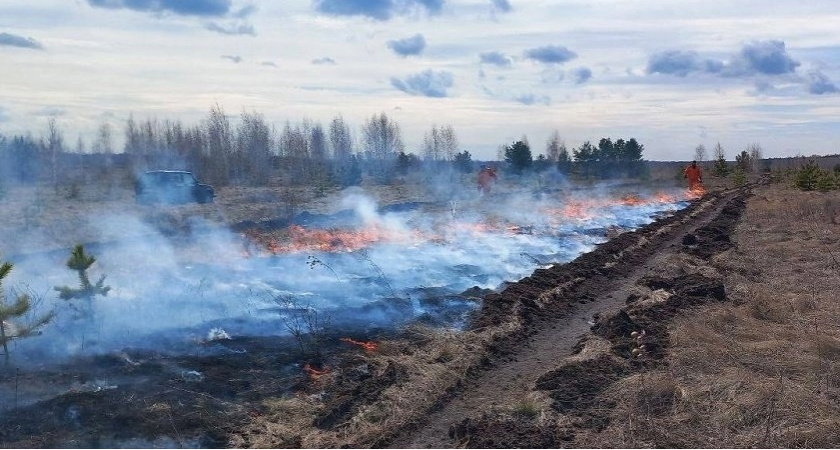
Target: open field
(731, 300)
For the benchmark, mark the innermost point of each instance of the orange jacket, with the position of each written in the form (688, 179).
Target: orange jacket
(486, 176)
(693, 174)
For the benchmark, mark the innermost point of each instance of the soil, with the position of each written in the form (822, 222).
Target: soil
(602, 297)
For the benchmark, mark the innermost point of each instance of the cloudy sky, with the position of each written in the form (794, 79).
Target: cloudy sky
(671, 73)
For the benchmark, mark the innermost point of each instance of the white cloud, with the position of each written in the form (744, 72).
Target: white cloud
(154, 60)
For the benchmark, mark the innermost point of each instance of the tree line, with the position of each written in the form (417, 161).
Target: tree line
(252, 151)
(606, 160)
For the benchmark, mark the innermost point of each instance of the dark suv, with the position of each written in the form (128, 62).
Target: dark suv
(171, 186)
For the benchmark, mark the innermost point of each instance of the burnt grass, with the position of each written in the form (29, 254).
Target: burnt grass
(157, 400)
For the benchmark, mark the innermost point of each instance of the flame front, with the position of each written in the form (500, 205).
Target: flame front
(299, 239)
(366, 345)
(696, 192)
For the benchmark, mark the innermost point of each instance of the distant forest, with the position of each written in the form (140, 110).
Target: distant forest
(255, 153)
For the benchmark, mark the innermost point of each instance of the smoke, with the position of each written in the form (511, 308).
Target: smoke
(407, 262)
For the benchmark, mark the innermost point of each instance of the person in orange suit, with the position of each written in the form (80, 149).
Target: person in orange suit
(486, 176)
(694, 176)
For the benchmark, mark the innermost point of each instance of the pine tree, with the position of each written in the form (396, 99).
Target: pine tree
(518, 155)
(15, 309)
(463, 161)
(808, 176)
(721, 168)
(80, 262)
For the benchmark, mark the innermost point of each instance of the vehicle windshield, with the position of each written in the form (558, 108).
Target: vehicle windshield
(169, 178)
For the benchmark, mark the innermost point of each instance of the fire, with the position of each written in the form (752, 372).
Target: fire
(632, 200)
(366, 345)
(573, 210)
(491, 226)
(576, 210)
(662, 197)
(297, 239)
(696, 192)
(313, 372)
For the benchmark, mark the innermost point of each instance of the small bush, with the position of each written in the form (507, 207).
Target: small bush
(826, 181)
(739, 177)
(808, 176)
(528, 407)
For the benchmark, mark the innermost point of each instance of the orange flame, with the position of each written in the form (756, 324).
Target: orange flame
(696, 192)
(296, 239)
(577, 210)
(662, 197)
(367, 345)
(314, 373)
(632, 200)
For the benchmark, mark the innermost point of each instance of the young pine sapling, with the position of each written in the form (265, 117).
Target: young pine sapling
(11, 327)
(81, 262)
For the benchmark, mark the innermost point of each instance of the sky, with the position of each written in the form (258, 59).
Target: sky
(673, 74)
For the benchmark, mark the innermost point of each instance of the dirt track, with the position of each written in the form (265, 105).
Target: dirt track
(574, 296)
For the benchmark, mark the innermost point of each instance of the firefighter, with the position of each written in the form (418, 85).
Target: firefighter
(486, 176)
(694, 176)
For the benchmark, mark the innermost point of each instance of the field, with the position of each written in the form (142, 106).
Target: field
(711, 327)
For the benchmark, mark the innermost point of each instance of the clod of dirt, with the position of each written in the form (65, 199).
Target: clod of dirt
(714, 237)
(574, 386)
(504, 432)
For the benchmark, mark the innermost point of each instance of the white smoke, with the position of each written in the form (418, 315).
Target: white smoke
(169, 293)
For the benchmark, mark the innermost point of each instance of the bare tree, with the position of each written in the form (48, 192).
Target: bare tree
(383, 142)
(449, 142)
(554, 147)
(318, 142)
(432, 145)
(318, 151)
(54, 147)
(150, 134)
(253, 149)
(104, 139)
(133, 138)
(219, 145)
(754, 149)
(700, 153)
(340, 139)
(719, 152)
(382, 137)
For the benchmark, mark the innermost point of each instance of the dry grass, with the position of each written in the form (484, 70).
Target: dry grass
(434, 361)
(764, 369)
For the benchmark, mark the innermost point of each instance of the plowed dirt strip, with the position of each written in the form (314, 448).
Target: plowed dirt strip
(597, 283)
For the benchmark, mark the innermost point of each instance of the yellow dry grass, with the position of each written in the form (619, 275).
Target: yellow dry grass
(762, 370)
